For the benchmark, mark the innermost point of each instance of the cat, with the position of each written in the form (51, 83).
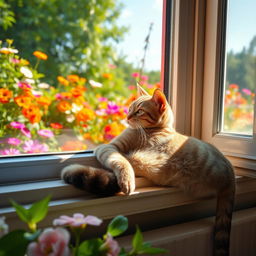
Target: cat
(150, 147)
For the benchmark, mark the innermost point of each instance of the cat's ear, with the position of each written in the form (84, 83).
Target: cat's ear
(160, 100)
(141, 91)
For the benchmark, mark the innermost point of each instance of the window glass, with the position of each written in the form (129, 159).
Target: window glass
(68, 70)
(240, 70)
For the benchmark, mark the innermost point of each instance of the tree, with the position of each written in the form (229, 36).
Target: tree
(77, 35)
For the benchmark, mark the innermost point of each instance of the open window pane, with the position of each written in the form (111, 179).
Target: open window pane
(69, 74)
(240, 76)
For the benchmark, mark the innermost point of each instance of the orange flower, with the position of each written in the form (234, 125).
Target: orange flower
(65, 95)
(56, 125)
(86, 136)
(23, 101)
(43, 101)
(64, 106)
(73, 78)
(32, 113)
(107, 76)
(5, 95)
(85, 115)
(40, 55)
(62, 80)
(73, 146)
(82, 80)
(77, 91)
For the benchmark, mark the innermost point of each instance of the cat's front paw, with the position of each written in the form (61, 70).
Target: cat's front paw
(126, 183)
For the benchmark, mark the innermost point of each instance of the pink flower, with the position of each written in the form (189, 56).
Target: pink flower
(17, 125)
(11, 151)
(112, 108)
(24, 85)
(52, 242)
(33, 146)
(246, 91)
(15, 61)
(78, 220)
(136, 74)
(13, 141)
(112, 66)
(112, 246)
(144, 78)
(26, 132)
(102, 99)
(46, 133)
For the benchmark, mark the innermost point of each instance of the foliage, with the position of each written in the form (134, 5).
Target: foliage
(56, 241)
(241, 66)
(75, 114)
(77, 37)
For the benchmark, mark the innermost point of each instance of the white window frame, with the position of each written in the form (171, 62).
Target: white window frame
(240, 149)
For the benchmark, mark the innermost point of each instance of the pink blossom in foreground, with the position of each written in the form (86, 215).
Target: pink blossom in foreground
(52, 242)
(78, 220)
(111, 246)
(10, 151)
(46, 133)
(17, 125)
(34, 146)
(13, 141)
(25, 131)
(4, 228)
(112, 108)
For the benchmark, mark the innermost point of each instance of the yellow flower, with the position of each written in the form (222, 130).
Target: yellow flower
(40, 55)
(62, 80)
(73, 78)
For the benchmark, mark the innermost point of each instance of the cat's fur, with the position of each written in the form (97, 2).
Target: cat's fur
(151, 148)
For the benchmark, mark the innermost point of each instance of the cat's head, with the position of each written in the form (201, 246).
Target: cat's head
(150, 111)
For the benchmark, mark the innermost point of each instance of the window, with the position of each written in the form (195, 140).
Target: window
(229, 80)
(84, 66)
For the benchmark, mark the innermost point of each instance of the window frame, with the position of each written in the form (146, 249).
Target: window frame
(233, 146)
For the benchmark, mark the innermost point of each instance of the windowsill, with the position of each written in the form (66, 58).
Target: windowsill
(68, 200)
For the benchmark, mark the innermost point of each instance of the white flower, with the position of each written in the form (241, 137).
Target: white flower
(10, 50)
(76, 108)
(37, 93)
(70, 118)
(26, 72)
(95, 84)
(3, 227)
(43, 85)
(29, 81)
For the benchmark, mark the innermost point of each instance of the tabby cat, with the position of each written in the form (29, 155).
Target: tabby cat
(151, 148)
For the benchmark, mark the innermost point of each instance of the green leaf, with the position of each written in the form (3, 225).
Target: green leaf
(117, 226)
(90, 247)
(39, 209)
(21, 211)
(151, 250)
(122, 252)
(32, 236)
(14, 243)
(137, 240)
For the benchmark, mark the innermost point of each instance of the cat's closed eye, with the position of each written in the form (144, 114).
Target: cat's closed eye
(140, 112)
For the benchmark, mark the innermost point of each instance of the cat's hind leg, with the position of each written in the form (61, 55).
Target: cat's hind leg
(94, 180)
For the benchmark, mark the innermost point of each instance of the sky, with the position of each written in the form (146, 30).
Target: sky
(138, 14)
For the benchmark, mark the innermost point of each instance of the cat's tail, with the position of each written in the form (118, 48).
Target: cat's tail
(94, 180)
(225, 203)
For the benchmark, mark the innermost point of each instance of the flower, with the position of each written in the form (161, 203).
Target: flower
(40, 55)
(45, 101)
(70, 118)
(32, 113)
(3, 226)
(13, 141)
(84, 115)
(95, 84)
(246, 91)
(63, 96)
(43, 85)
(17, 125)
(23, 101)
(11, 151)
(62, 80)
(73, 78)
(6, 50)
(56, 125)
(107, 76)
(78, 220)
(34, 146)
(24, 86)
(63, 106)
(26, 72)
(136, 74)
(26, 132)
(144, 78)
(46, 133)
(73, 145)
(111, 246)
(112, 108)
(52, 242)
(5, 95)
